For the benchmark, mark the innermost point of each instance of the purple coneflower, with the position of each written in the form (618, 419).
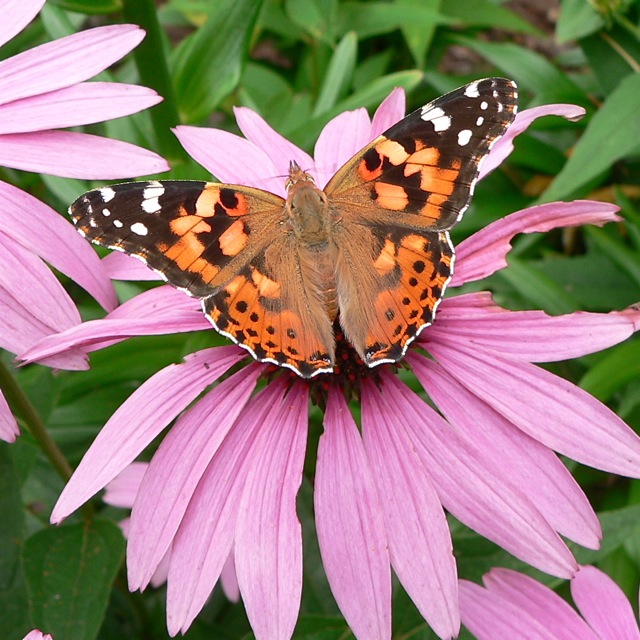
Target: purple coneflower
(41, 91)
(225, 478)
(513, 605)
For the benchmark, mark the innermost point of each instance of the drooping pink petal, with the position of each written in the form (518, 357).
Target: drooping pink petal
(340, 139)
(418, 534)
(70, 154)
(229, 579)
(491, 617)
(390, 111)
(604, 605)
(475, 484)
(205, 537)
(118, 443)
(485, 252)
(540, 602)
(268, 546)
(532, 336)
(120, 266)
(277, 147)
(547, 407)
(504, 146)
(176, 469)
(537, 470)
(232, 159)
(15, 15)
(57, 242)
(65, 61)
(123, 489)
(76, 105)
(350, 526)
(8, 426)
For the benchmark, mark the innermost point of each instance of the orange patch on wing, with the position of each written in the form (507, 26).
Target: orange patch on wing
(391, 196)
(206, 269)
(367, 175)
(438, 180)
(234, 239)
(266, 287)
(188, 224)
(386, 261)
(242, 208)
(393, 150)
(413, 242)
(185, 251)
(207, 200)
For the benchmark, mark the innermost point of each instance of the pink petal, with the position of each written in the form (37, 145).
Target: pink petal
(77, 155)
(205, 537)
(484, 252)
(57, 242)
(66, 61)
(504, 146)
(474, 483)
(540, 602)
(15, 15)
(123, 489)
(120, 266)
(176, 469)
(390, 111)
(229, 580)
(140, 419)
(532, 336)
(232, 159)
(350, 526)
(268, 547)
(547, 407)
(340, 139)
(8, 426)
(417, 530)
(277, 147)
(491, 617)
(604, 605)
(540, 474)
(37, 635)
(76, 105)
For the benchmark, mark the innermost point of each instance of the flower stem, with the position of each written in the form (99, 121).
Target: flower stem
(21, 405)
(154, 72)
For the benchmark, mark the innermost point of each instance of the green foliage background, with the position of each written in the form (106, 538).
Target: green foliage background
(299, 63)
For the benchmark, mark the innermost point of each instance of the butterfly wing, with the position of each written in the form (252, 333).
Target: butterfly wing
(226, 245)
(401, 194)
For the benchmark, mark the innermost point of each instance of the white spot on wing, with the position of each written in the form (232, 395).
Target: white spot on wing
(106, 213)
(92, 223)
(118, 224)
(463, 137)
(107, 194)
(154, 190)
(484, 105)
(471, 91)
(479, 121)
(139, 229)
(151, 205)
(440, 120)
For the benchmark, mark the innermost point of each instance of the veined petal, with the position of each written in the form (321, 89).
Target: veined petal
(534, 468)
(277, 147)
(123, 489)
(15, 15)
(120, 266)
(65, 61)
(229, 579)
(474, 487)
(205, 537)
(532, 336)
(504, 146)
(340, 139)
(491, 617)
(8, 425)
(390, 111)
(119, 442)
(176, 469)
(73, 106)
(604, 605)
(485, 252)
(417, 530)
(77, 155)
(232, 159)
(57, 242)
(268, 546)
(547, 407)
(350, 526)
(540, 602)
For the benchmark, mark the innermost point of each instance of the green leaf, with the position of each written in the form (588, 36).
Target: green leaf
(417, 36)
(485, 13)
(207, 65)
(69, 572)
(338, 74)
(612, 134)
(313, 16)
(14, 621)
(618, 368)
(617, 252)
(577, 19)
(90, 7)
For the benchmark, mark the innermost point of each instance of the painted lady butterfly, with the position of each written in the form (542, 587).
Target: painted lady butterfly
(372, 249)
